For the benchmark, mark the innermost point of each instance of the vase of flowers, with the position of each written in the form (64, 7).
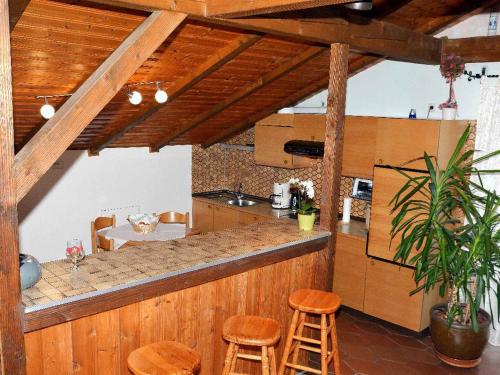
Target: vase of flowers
(306, 213)
(451, 68)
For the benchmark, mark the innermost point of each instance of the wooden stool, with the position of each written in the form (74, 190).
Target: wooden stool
(164, 358)
(251, 331)
(307, 301)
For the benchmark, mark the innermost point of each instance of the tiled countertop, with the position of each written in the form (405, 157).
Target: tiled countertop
(110, 271)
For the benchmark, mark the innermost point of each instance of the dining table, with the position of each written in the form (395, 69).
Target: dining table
(125, 236)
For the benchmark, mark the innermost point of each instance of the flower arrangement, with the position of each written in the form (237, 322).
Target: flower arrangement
(451, 68)
(305, 205)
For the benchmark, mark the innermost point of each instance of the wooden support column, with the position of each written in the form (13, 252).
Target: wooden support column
(332, 160)
(12, 355)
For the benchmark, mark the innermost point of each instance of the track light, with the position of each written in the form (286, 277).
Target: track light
(135, 97)
(161, 96)
(360, 5)
(47, 111)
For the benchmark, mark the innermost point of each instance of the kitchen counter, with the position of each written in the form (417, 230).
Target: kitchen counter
(355, 228)
(55, 298)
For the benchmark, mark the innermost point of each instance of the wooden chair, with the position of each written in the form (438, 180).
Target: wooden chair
(316, 302)
(254, 331)
(165, 358)
(171, 217)
(99, 241)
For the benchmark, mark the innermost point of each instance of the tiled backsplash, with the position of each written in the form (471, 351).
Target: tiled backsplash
(217, 168)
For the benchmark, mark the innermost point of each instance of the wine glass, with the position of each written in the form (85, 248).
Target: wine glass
(74, 252)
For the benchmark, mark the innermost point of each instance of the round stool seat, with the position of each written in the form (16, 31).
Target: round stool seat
(251, 330)
(314, 301)
(164, 358)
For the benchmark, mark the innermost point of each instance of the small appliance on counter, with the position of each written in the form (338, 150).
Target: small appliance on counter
(362, 189)
(281, 195)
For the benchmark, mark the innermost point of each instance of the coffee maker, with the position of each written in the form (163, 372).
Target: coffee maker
(281, 195)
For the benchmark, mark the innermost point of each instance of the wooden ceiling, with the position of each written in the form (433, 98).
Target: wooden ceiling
(220, 79)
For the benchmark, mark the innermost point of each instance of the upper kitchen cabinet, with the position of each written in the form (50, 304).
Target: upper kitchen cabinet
(273, 132)
(367, 141)
(401, 141)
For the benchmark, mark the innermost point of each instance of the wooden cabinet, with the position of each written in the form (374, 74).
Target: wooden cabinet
(387, 296)
(225, 218)
(272, 133)
(386, 183)
(245, 218)
(360, 135)
(209, 217)
(350, 270)
(203, 216)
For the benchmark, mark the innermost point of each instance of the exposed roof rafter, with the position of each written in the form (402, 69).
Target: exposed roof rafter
(213, 63)
(246, 91)
(478, 49)
(16, 10)
(48, 144)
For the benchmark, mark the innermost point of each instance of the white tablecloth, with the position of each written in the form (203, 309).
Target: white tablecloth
(164, 232)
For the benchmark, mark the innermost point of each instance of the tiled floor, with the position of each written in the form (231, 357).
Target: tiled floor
(368, 347)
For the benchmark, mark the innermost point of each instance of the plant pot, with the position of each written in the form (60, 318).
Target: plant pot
(458, 345)
(30, 270)
(306, 222)
(449, 113)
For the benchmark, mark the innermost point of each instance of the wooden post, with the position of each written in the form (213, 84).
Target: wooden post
(332, 160)
(11, 330)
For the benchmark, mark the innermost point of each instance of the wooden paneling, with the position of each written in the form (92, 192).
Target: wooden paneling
(449, 134)
(386, 183)
(245, 218)
(387, 294)
(12, 355)
(193, 316)
(402, 140)
(225, 218)
(350, 271)
(360, 138)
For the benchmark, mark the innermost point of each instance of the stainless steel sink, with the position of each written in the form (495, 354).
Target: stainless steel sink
(241, 202)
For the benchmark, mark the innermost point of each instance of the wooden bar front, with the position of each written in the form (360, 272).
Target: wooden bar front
(100, 343)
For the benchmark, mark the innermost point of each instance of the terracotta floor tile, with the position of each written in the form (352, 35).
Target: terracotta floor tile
(370, 347)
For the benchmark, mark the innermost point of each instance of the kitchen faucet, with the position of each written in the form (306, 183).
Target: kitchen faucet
(238, 193)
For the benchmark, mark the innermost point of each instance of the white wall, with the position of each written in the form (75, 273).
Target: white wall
(391, 89)
(63, 203)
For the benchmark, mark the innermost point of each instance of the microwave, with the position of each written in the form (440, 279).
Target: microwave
(362, 189)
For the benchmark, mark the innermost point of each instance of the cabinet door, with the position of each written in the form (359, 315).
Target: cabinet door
(269, 141)
(387, 295)
(225, 218)
(203, 216)
(350, 270)
(402, 140)
(360, 137)
(245, 218)
(386, 183)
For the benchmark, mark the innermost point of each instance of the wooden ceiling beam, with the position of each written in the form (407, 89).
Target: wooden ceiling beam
(183, 84)
(477, 49)
(355, 67)
(246, 91)
(16, 10)
(58, 133)
(364, 35)
(193, 7)
(245, 8)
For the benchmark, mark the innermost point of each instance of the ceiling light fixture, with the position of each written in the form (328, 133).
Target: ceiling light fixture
(362, 5)
(161, 96)
(47, 110)
(135, 97)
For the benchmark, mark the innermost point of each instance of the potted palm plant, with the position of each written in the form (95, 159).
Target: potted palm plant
(452, 223)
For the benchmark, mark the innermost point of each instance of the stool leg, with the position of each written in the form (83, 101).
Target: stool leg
(300, 329)
(272, 360)
(265, 361)
(235, 358)
(229, 359)
(288, 343)
(335, 347)
(324, 345)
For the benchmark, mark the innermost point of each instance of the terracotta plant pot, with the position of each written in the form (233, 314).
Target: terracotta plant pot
(306, 222)
(458, 345)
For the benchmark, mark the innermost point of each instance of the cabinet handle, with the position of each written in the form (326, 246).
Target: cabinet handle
(285, 161)
(372, 262)
(380, 161)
